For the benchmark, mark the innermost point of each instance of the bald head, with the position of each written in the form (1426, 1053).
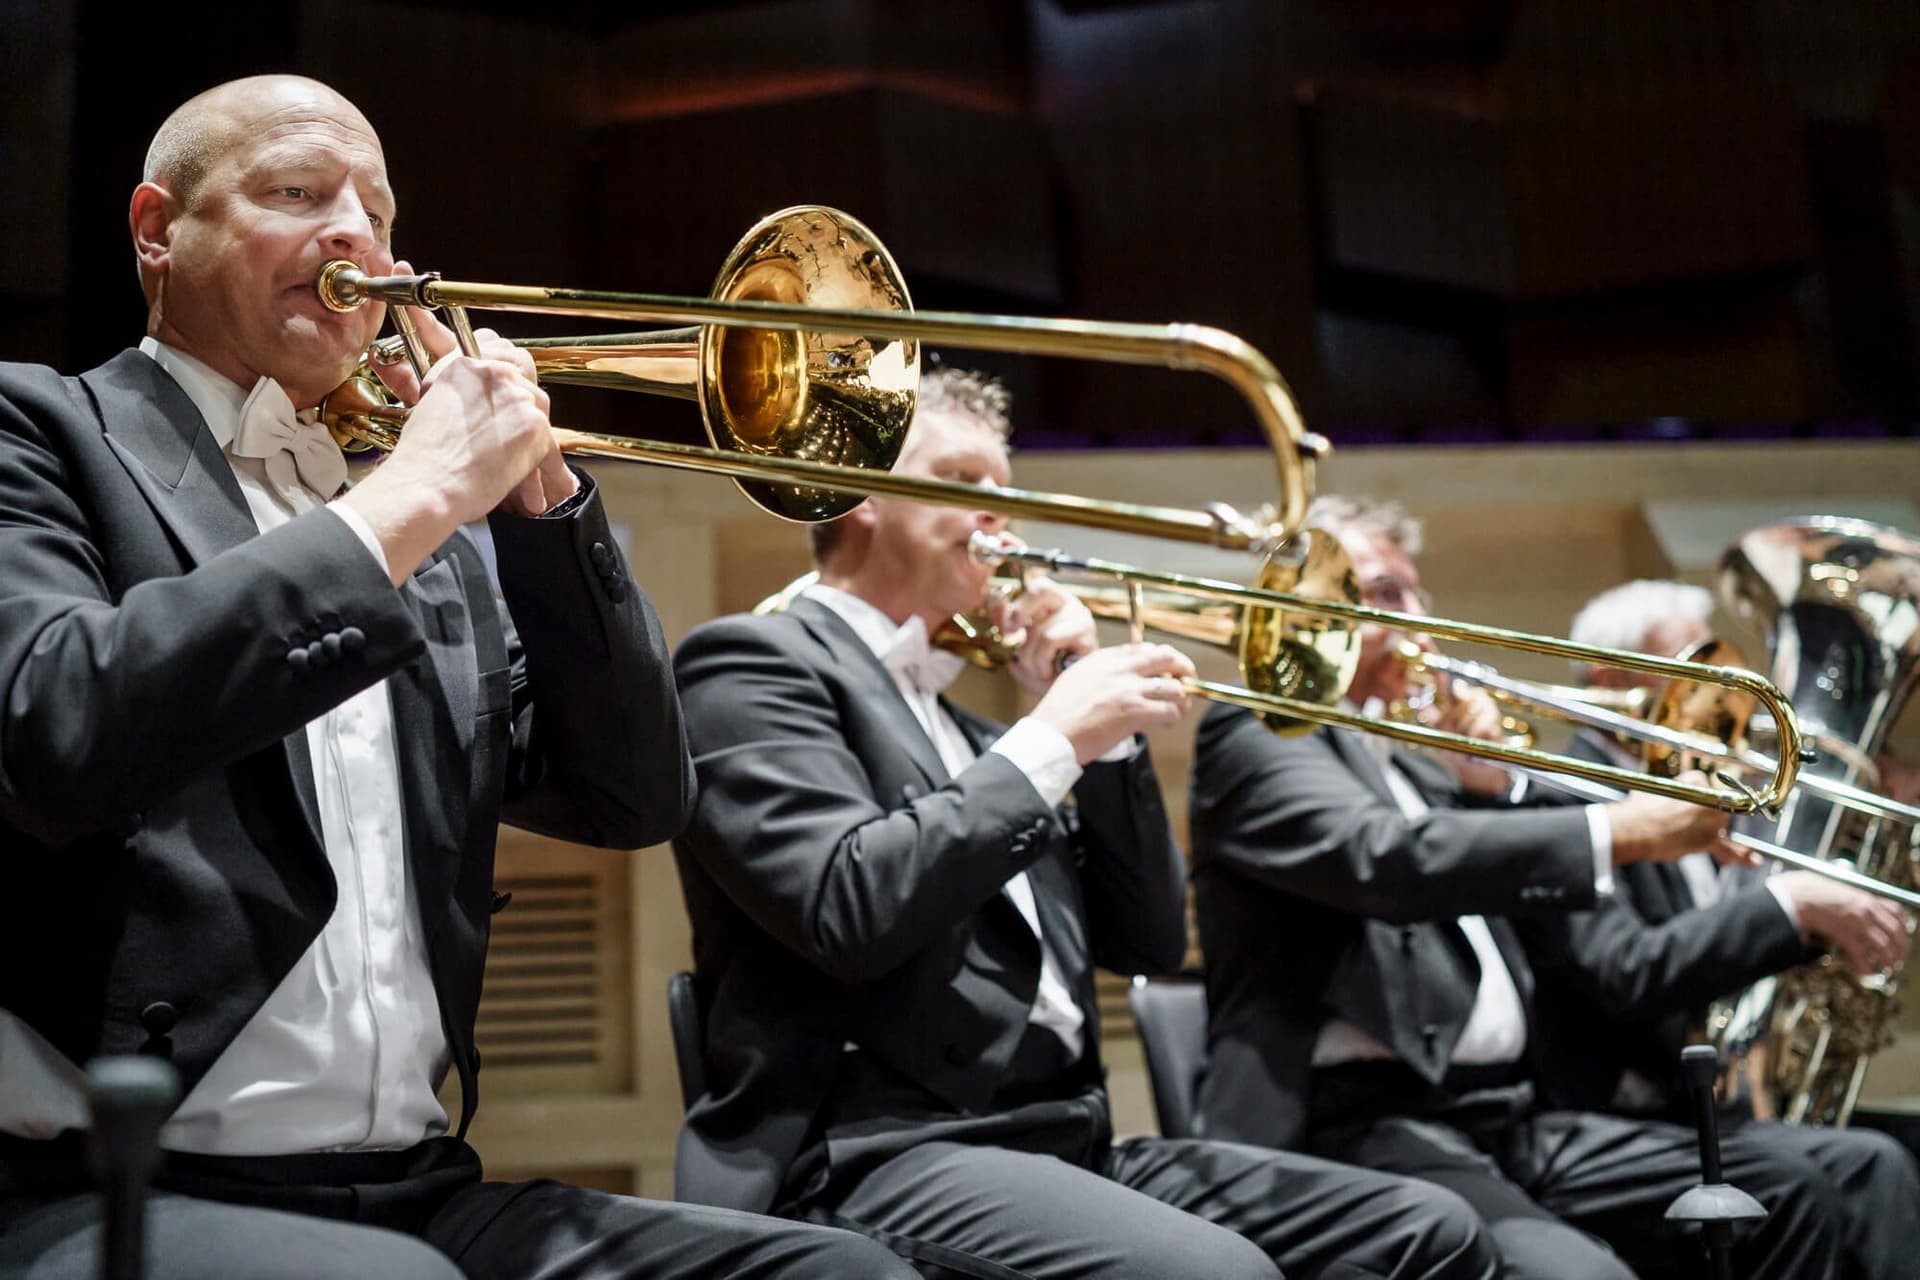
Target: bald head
(250, 189)
(207, 126)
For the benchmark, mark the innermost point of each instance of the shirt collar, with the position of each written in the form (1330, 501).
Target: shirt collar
(219, 399)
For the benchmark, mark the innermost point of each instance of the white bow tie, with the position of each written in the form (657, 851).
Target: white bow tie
(912, 659)
(270, 430)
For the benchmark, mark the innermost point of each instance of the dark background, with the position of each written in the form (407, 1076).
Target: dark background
(1443, 219)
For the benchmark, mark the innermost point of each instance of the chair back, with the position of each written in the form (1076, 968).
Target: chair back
(1172, 1018)
(689, 1036)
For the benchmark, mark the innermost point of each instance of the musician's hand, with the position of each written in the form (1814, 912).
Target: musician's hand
(1869, 931)
(1472, 713)
(1113, 693)
(1649, 828)
(1059, 631)
(478, 433)
(1899, 780)
(543, 485)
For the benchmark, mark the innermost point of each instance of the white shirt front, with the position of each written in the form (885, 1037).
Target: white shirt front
(348, 1051)
(1038, 750)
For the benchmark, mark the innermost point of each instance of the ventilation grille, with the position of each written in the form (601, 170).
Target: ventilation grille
(556, 1012)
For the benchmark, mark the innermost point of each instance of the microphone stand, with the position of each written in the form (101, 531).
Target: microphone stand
(1713, 1204)
(131, 1097)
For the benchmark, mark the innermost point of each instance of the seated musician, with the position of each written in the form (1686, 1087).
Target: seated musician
(898, 906)
(1362, 908)
(259, 733)
(1621, 992)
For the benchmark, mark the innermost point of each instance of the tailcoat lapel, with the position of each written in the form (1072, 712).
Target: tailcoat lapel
(881, 693)
(1361, 763)
(435, 705)
(1056, 891)
(171, 454)
(169, 451)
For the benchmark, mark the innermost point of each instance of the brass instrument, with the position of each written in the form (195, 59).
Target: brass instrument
(1839, 601)
(1682, 725)
(808, 398)
(1682, 721)
(806, 362)
(1295, 634)
(1431, 678)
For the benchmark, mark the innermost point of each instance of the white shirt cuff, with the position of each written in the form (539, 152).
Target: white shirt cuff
(1785, 899)
(1122, 751)
(1519, 791)
(363, 531)
(1044, 755)
(1600, 832)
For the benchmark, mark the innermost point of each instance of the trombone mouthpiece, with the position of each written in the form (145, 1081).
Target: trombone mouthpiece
(991, 549)
(340, 286)
(345, 287)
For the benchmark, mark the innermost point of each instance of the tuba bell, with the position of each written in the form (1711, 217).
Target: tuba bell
(1839, 603)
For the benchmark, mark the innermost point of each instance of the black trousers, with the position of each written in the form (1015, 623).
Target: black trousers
(1877, 1183)
(1155, 1209)
(422, 1214)
(1571, 1195)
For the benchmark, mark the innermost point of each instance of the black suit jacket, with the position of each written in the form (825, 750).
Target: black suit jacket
(844, 890)
(159, 660)
(1621, 985)
(1318, 900)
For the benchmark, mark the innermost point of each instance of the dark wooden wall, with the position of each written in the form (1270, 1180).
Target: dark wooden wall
(1473, 219)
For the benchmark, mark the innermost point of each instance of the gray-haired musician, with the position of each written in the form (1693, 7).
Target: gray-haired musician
(1605, 1046)
(1364, 912)
(256, 739)
(897, 909)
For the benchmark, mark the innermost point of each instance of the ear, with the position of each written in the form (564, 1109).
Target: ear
(861, 517)
(150, 218)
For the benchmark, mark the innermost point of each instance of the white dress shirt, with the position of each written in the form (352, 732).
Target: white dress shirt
(347, 1052)
(1496, 1027)
(1038, 750)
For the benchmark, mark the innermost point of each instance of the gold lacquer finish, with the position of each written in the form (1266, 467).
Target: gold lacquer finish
(1309, 664)
(1282, 653)
(1687, 725)
(1293, 653)
(1709, 711)
(840, 398)
(360, 413)
(806, 364)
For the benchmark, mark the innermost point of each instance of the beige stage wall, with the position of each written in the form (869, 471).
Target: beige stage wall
(579, 1077)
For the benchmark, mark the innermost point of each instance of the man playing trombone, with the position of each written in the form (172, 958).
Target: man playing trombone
(259, 733)
(1360, 908)
(1620, 988)
(896, 917)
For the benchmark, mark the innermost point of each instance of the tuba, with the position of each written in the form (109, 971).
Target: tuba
(1839, 603)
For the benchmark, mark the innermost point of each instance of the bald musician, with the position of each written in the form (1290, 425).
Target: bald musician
(258, 733)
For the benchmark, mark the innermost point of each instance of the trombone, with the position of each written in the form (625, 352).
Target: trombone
(1655, 722)
(1580, 707)
(1295, 633)
(805, 364)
